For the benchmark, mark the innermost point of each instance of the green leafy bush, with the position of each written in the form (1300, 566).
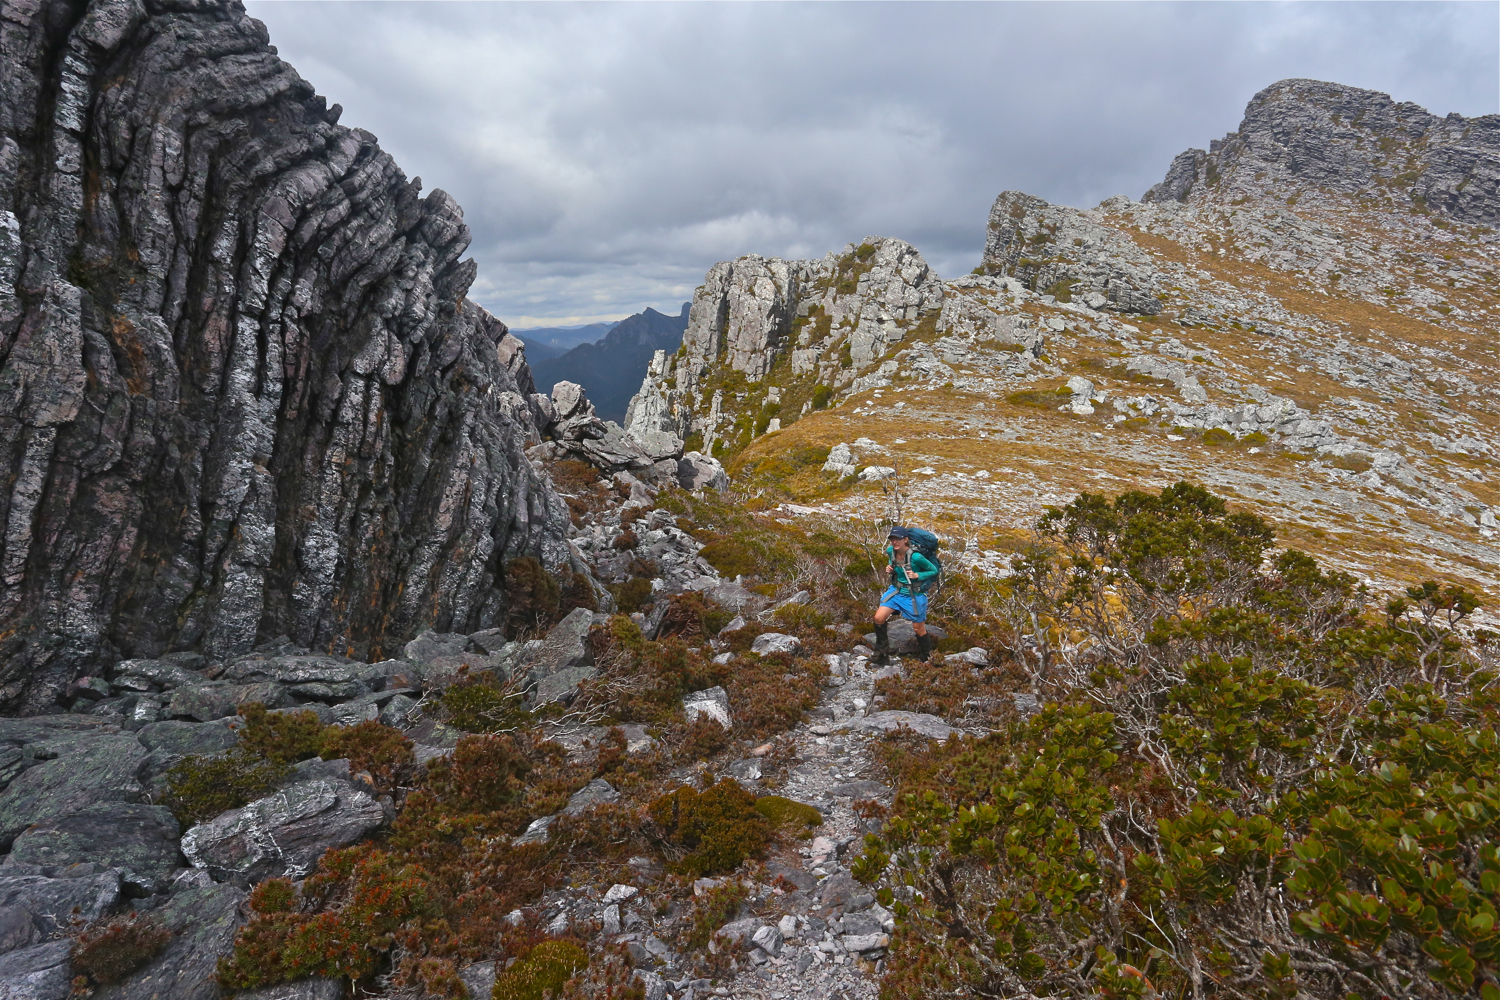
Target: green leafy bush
(199, 787)
(703, 738)
(633, 594)
(533, 598)
(380, 751)
(540, 975)
(798, 818)
(109, 950)
(720, 827)
(480, 703)
(280, 737)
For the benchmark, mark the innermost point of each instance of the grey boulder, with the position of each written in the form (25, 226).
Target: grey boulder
(711, 703)
(208, 701)
(479, 980)
(886, 722)
(596, 793)
(439, 658)
(302, 989)
(34, 908)
(284, 833)
(563, 660)
(775, 642)
(696, 471)
(138, 839)
(40, 972)
(101, 768)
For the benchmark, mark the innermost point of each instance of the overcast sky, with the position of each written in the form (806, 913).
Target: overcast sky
(606, 155)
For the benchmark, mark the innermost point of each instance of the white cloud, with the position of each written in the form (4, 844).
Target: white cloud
(607, 154)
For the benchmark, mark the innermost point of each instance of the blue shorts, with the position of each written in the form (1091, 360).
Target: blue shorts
(912, 607)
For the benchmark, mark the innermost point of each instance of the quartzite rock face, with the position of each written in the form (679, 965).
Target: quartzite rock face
(1299, 136)
(242, 394)
(284, 833)
(1062, 250)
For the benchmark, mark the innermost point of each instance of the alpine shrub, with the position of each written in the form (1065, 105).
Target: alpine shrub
(719, 828)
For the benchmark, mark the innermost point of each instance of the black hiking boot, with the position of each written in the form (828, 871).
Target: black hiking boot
(882, 645)
(924, 647)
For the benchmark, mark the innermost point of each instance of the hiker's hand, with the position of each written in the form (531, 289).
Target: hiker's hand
(910, 576)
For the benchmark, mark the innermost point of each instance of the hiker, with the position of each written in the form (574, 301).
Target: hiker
(911, 574)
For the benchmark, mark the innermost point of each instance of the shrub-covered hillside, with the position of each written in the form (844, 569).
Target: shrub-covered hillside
(1247, 779)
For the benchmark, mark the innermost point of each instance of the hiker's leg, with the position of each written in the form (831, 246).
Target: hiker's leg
(924, 647)
(882, 630)
(919, 626)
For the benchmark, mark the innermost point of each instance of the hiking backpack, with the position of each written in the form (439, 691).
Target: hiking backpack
(927, 543)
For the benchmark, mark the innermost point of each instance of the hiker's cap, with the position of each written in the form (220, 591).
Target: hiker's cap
(899, 532)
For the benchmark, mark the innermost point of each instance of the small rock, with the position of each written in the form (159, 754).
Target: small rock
(862, 789)
(655, 987)
(535, 832)
(926, 725)
(478, 979)
(865, 942)
(596, 792)
(787, 926)
(875, 473)
(768, 940)
(746, 772)
(738, 932)
(618, 893)
(397, 712)
(91, 688)
(1025, 703)
(711, 702)
(775, 642)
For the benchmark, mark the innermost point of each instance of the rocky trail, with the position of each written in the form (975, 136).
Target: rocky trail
(808, 929)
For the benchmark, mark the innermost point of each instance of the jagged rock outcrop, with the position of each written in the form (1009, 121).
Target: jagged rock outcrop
(746, 314)
(242, 393)
(1300, 138)
(829, 319)
(1064, 252)
(575, 431)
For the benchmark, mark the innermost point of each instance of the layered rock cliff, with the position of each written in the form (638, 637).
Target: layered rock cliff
(242, 393)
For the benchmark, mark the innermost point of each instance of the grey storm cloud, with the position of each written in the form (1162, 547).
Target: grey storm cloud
(607, 154)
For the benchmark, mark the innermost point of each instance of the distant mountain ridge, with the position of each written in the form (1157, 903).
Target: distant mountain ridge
(543, 342)
(611, 370)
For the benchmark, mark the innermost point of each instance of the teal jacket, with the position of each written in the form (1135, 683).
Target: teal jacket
(920, 565)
